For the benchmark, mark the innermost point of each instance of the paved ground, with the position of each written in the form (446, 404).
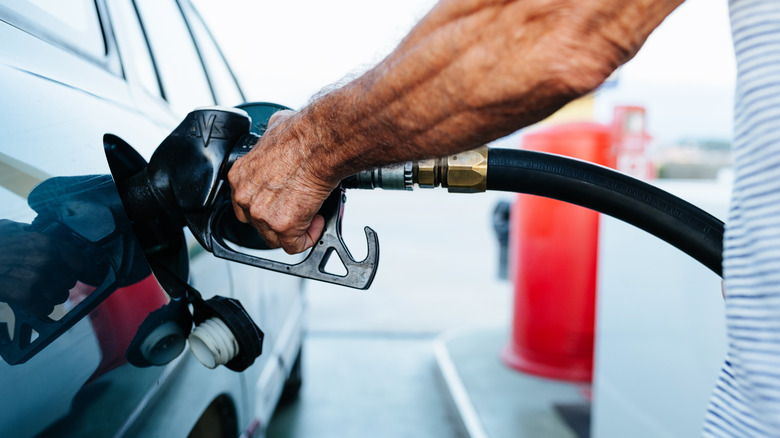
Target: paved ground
(362, 386)
(496, 401)
(369, 368)
(369, 365)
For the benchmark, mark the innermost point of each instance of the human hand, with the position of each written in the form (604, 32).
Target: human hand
(36, 270)
(277, 186)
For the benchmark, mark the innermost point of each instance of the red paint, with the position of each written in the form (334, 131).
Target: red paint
(116, 320)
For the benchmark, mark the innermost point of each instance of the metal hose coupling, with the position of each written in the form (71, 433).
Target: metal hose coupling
(465, 172)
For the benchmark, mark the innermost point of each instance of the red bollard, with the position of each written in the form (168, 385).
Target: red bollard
(553, 251)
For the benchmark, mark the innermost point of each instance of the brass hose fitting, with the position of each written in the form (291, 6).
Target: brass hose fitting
(465, 172)
(426, 173)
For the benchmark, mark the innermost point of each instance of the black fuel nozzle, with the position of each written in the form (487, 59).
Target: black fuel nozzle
(188, 169)
(186, 183)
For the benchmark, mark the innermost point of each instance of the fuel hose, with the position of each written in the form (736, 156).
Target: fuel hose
(666, 216)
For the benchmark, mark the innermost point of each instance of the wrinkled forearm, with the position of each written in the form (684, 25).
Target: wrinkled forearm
(471, 72)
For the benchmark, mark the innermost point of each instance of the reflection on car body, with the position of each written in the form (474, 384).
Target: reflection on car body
(79, 249)
(90, 335)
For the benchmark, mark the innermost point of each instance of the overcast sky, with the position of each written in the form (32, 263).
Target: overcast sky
(286, 51)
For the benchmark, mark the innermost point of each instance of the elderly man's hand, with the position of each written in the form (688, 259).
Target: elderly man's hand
(277, 188)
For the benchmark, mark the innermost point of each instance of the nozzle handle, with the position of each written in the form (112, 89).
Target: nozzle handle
(359, 274)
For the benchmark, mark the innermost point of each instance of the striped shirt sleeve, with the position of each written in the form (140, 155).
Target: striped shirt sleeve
(746, 399)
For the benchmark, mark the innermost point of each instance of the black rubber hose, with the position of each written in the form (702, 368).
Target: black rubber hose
(680, 223)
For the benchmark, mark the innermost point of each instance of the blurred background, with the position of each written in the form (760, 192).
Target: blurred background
(370, 365)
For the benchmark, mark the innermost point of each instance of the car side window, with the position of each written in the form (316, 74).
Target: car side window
(134, 48)
(73, 24)
(222, 80)
(183, 80)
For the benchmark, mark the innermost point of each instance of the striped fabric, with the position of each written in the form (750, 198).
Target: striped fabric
(746, 398)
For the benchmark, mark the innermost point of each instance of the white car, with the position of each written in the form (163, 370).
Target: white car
(88, 342)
